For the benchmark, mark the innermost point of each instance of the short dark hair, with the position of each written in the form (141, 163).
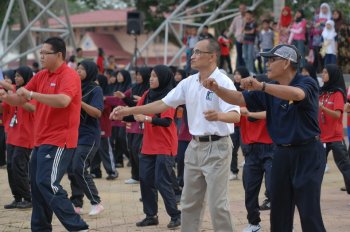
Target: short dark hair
(266, 21)
(249, 12)
(78, 50)
(57, 44)
(213, 46)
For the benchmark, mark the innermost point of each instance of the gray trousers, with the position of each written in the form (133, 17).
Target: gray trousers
(207, 168)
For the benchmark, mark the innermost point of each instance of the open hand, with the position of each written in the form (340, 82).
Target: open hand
(119, 112)
(119, 94)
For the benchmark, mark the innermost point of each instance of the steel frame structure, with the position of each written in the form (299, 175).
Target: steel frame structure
(65, 31)
(184, 16)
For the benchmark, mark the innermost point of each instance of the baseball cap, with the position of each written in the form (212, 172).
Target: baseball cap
(285, 51)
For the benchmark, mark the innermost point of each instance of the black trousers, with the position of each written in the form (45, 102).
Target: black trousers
(296, 178)
(17, 170)
(134, 147)
(341, 159)
(2, 146)
(119, 144)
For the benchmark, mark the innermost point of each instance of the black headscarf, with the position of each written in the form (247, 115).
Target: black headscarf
(88, 84)
(183, 74)
(336, 80)
(139, 89)
(103, 83)
(312, 72)
(244, 73)
(125, 85)
(26, 73)
(166, 83)
(10, 74)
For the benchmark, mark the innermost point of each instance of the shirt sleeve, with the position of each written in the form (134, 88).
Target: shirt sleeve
(176, 96)
(32, 84)
(97, 98)
(338, 101)
(70, 84)
(224, 106)
(309, 86)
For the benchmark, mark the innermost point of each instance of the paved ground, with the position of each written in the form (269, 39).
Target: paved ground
(123, 209)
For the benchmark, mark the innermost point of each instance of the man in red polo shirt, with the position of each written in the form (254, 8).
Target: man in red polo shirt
(57, 90)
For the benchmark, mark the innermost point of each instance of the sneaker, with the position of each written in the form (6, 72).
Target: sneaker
(12, 205)
(131, 181)
(326, 169)
(148, 221)
(233, 176)
(96, 209)
(95, 176)
(266, 205)
(24, 205)
(112, 177)
(78, 210)
(252, 228)
(174, 223)
(119, 165)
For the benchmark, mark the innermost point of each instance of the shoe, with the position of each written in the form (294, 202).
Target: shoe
(148, 221)
(252, 228)
(24, 205)
(111, 177)
(343, 189)
(131, 181)
(119, 165)
(174, 223)
(96, 209)
(86, 230)
(12, 205)
(78, 210)
(266, 205)
(95, 176)
(326, 169)
(233, 176)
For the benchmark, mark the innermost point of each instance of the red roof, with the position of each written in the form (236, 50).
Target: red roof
(109, 44)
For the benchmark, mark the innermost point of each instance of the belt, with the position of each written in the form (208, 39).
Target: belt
(208, 138)
(307, 141)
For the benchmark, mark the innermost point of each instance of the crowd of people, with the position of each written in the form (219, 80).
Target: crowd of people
(75, 113)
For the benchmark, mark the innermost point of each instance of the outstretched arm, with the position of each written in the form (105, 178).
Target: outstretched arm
(153, 108)
(230, 96)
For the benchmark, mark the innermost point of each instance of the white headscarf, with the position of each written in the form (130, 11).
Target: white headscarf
(329, 13)
(329, 33)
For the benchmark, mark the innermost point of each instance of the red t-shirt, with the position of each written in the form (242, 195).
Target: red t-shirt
(57, 126)
(158, 139)
(224, 46)
(331, 128)
(21, 134)
(254, 132)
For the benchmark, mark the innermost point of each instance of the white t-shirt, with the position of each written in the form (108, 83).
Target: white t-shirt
(198, 99)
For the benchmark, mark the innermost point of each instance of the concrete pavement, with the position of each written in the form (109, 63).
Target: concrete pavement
(123, 208)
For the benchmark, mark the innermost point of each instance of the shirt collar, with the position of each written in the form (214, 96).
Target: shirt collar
(58, 70)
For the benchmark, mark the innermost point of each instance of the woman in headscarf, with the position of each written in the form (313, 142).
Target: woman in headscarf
(88, 140)
(134, 130)
(317, 27)
(284, 24)
(308, 70)
(18, 122)
(118, 139)
(332, 99)
(343, 31)
(105, 149)
(329, 44)
(159, 148)
(297, 36)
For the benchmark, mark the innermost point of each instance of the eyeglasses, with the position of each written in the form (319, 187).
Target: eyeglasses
(198, 52)
(44, 53)
(271, 60)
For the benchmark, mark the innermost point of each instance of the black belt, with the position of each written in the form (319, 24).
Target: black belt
(313, 139)
(207, 138)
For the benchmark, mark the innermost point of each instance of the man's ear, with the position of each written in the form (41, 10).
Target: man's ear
(286, 64)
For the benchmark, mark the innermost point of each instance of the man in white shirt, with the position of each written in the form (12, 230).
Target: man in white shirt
(208, 156)
(236, 28)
